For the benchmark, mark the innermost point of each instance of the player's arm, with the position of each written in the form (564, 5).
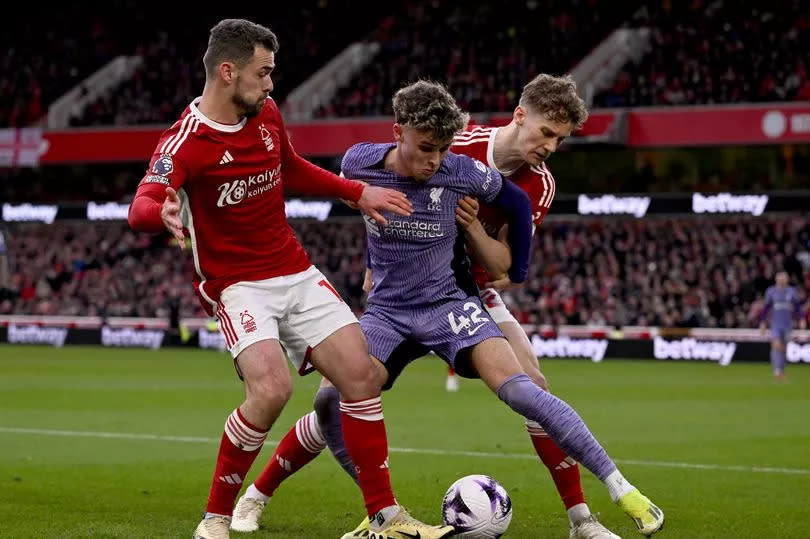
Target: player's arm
(156, 205)
(766, 309)
(301, 176)
(515, 204)
(493, 255)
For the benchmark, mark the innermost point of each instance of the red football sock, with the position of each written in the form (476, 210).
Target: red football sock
(451, 371)
(367, 444)
(241, 443)
(299, 446)
(564, 470)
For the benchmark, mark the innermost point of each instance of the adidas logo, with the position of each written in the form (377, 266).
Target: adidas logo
(568, 462)
(232, 479)
(226, 158)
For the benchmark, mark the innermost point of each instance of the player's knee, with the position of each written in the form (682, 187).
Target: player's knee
(367, 382)
(270, 393)
(538, 378)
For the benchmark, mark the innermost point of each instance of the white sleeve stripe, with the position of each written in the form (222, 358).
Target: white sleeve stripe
(169, 141)
(545, 189)
(191, 127)
(476, 132)
(471, 141)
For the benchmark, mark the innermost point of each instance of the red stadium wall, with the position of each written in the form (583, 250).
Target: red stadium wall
(645, 127)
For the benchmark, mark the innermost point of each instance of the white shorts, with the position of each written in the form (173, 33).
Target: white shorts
(298, 310)
(495, 306)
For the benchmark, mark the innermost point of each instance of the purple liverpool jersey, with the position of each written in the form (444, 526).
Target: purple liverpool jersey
(784, 304)
(424, 297)
(419, 260)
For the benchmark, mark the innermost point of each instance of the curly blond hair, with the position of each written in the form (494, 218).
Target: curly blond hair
(556, 98)
(428, 106)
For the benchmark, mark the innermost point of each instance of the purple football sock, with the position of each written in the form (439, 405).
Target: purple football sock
(559, 420)
(327, 408)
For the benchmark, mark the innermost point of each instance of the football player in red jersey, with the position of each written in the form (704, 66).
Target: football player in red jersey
(548, 112)
(218, 175)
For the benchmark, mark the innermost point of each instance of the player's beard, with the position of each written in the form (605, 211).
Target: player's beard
(248, 109)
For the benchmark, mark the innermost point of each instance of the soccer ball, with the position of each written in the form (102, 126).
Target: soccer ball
(478, 507)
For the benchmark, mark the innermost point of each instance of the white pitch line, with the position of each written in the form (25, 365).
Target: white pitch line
(412, 450)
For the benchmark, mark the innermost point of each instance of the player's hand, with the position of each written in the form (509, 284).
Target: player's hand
(762, 329)
(170, 214)
(375, 199)
(501, 283)
(349, 203)
(368, 282)
(467, 211)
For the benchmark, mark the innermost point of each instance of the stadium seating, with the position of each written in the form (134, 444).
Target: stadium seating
(717, 52)
(745, 53)
(669, 272)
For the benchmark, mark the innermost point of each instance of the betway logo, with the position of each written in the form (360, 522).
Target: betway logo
(236, 191)
(108, 211)
(798, 353)
(303, 209)
(148, 338)
(36, 335)
(613, 205)
(211, 339)
(45, 213)
(692, 349)
(728, 203)
(594, 349)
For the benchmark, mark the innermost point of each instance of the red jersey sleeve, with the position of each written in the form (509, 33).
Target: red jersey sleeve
(165, 170)
(303, 177)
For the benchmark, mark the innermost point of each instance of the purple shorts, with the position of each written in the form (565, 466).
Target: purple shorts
(396, 337)
(780, 334)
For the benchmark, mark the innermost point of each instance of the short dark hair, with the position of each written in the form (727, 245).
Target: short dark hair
(556, 98)
(428, 106)
(236, 40)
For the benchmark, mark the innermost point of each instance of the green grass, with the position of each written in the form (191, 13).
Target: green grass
(648, 415)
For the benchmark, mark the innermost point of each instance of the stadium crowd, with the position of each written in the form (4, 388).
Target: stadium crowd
(487, 73)
(717, 52)
(656, 272)
(700, 52)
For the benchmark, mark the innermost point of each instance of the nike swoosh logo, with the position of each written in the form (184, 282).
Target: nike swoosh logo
(472, 331)
(416, 535)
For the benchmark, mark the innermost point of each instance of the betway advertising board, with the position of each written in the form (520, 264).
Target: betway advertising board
(720, 351)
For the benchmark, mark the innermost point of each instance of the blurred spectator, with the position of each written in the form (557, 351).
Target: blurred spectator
(717, 52)
(483, 52)
(656, 272)
(310, 33)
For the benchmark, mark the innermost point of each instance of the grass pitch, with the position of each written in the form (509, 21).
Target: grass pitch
(121, 443)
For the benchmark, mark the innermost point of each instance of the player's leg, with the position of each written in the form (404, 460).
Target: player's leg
(359, 384)
(251, 334)
(396, 354)
(302, 443)
(451, 384)
(327, 411)
(267, 389)
(496, 364)
(563, 469)
(778, 357)
(339, 351)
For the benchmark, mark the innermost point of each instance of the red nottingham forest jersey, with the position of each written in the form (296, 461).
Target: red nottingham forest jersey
(537, 182)
(230, 180)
